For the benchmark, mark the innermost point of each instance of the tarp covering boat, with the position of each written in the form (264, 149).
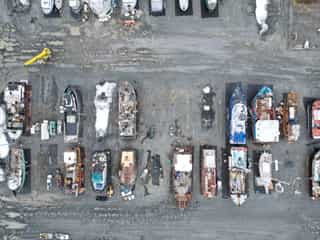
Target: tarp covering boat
(128, 174)
(127, 110)
(16, 169)
(238, 163)
(237, 115)
(71, 115)
(208, 156)
(103, 105)
(265, 126)
(182, 175)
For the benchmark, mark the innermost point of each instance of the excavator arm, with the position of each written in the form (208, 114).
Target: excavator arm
(44, 55)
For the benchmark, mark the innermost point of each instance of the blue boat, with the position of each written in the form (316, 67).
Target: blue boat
(237, 116)
(99, 170)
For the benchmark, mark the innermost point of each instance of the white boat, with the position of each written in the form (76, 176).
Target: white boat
(265, 172)
(103, 105)
(101, 8)
(4, 145)
(47, 6)
(75, 6)
(183, 5)
(211, 4)
(17, 169)
(262, 15)
(16, 102)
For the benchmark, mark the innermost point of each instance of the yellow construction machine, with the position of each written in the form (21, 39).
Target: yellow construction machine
(42, 57)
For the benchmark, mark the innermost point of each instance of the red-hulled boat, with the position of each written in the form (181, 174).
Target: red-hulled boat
(208, 155)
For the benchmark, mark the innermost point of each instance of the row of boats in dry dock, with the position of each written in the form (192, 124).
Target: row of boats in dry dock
(267, 124)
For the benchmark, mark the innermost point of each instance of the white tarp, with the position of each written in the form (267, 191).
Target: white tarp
(209, 158)
(70, 157)
(267, 131)
(183, 163)
(102, 103)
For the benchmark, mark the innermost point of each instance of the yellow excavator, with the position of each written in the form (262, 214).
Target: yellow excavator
(42, 57)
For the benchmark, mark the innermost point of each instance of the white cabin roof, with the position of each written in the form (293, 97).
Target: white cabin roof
(267, 131)
(209, 156)
(183, 163)
(70, 157)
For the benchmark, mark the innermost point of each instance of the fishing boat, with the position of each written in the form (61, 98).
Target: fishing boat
(74, 171)
(315, 176)
(182, 175)
(16, 169)
(264, 177)
(264, 122)
(75, 6)
(4, 144)
(102, 9)
(207, 109)
(183, 5)
(315, 119)
(290, 125)
(99, 170)
(237, 116)
(128, 174)
(72, 110)
(211, 4)
(51, 6)
(127, 110)
(17, 104)
(129, 10)
(103, 105)
(208, 155)
(238, 163)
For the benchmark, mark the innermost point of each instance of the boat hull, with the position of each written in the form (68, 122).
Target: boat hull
(237, 115)
(99, 171)
(128, 173)
(182, 175)
(315, 176)
(208, 171)
(17, 169)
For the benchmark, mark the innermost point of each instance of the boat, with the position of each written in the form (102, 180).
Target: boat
(127, 110)
(290, 125)
(315, 176)
(208, 155)
(71, 106)
(17, 105)
(51, 6)
(211, 4)
(103, 105)
(237, 116)
(264, 177)
(129, 9)
(99, 170)
(207, 111)
(74, 171)
(183, 5)
(4, 144)
(47, 6)
(315, 119)
(16, 169)
(102, 9)
(157, 6)
(264, 122)
(238, 163)
(182, 175)
(75, 6)
(262, 15)
(128, 174)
